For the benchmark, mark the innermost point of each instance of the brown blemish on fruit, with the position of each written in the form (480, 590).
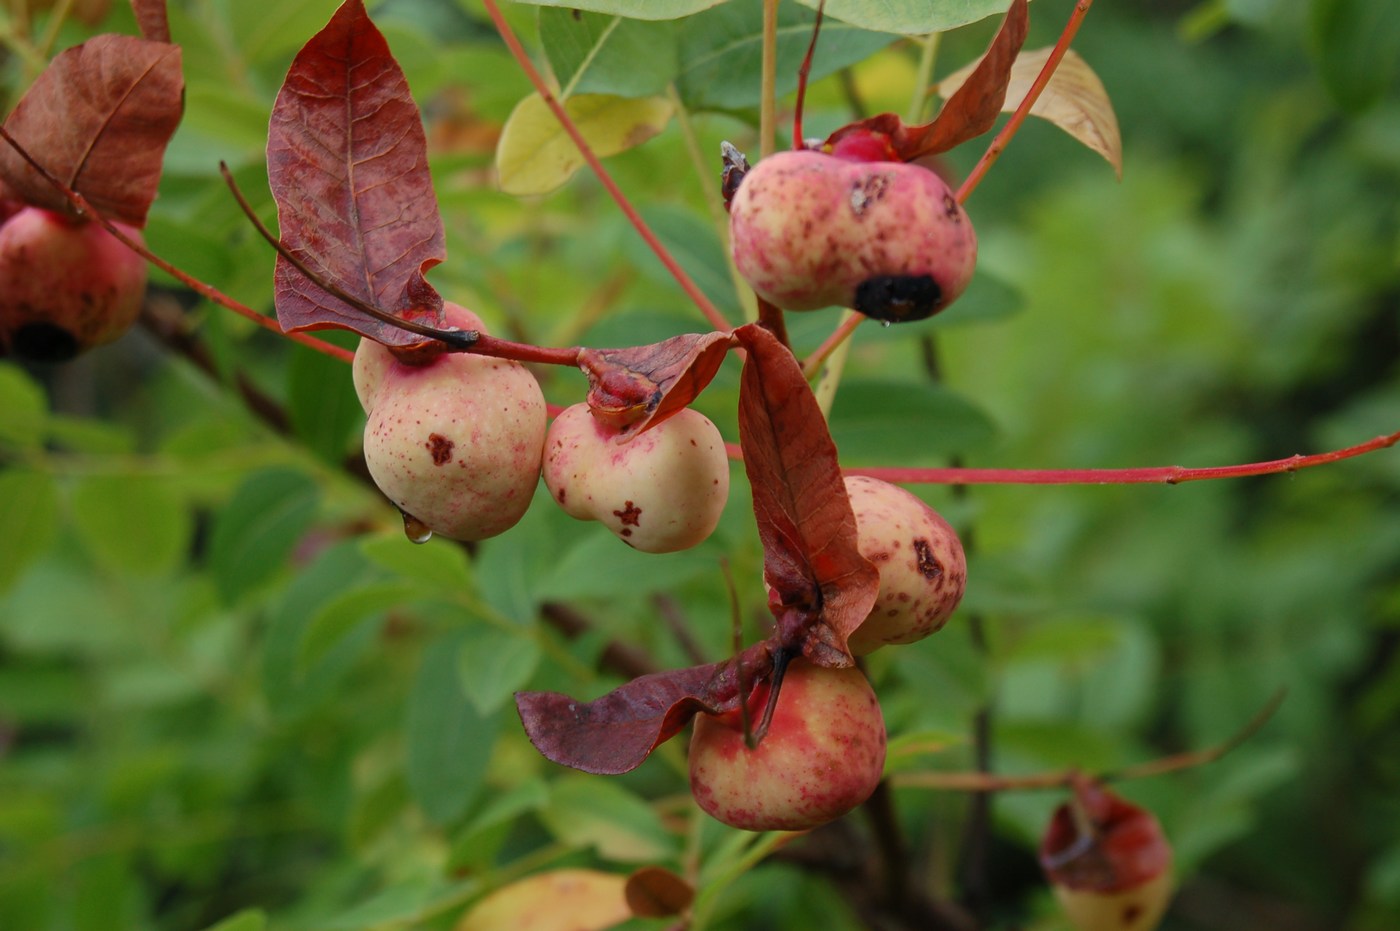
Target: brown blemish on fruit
(440, 447)
(950, 206)
(925, 561)
(1130, 914)
(869, 191)
(630, 515)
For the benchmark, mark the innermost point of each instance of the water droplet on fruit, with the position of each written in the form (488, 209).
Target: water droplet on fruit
(886, 324)
(415, 529)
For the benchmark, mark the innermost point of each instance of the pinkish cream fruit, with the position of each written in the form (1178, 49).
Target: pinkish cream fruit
(810, 230)
(822, 756)
(372, 359)
(923, 571)
(660, 492)
(457, 443)
(64, 286)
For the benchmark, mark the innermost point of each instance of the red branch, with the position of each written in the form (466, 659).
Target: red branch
(687, 284)
(1017, 118)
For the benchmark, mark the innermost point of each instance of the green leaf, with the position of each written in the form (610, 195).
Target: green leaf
(256, 531)
(449, 743)
(133, 523)
(321, 401)
(585, 811)
(1066, 640)
(439, 565)
(693, 243)
(23, 408)
(987, 299)
(494, 663)
(722, 53)
(343, 615)
(535, 155)
(627, 572)
(29, 514)
(250, 919)
(877, 421)
(909, 17)
(635, 9)
(595, 54)
(1357, 47)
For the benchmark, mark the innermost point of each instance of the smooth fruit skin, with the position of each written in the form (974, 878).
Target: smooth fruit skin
(661, 492)
(457, 443)
(889, 239)
(923, 569)
(372, 359)
(822, 756)
(1137, 909)
(64, 286)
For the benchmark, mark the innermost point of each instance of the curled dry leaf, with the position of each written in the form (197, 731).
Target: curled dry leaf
(1074, 100)
(656, 892)
(535, 155)
(153, 19)
(347, 160)
(641, 386)
(98, 118)
(821, 587)
(969, 112)
(559, 900)
(614, 733)
(1102, 842)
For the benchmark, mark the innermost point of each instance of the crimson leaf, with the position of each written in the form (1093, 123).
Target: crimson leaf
(153, 19)
(643, 385)
(821, 587)
(347, 160)
(614, 733)
(98, 118)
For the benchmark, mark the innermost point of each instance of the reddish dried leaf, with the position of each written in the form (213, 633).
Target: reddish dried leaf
(969, 112)
(1108, 845)
(656, 892)
(821, 587)
(152, 19)
(641, 386)
(614, 733)
(347, 160)
(98, 118)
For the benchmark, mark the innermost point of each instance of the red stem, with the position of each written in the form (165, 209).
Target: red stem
(523, 352)
(1017, 118)
(687, 284)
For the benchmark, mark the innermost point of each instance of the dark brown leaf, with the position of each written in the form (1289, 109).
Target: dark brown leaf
(969, 112)
(348, 165)
(821, 587)
(640, 386)
(98, 118)
(152, 19)
(616, 732)
(656, 892)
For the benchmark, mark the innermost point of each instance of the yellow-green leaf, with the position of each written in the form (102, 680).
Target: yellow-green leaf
(561, 900)
(1074, 100)
(535, 154)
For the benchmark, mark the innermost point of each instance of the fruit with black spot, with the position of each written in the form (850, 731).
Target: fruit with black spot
(889, 239)
(923, 569)
(660, 491)
(456, 442)
(65, 286)
(823, 754)
(1108, 861)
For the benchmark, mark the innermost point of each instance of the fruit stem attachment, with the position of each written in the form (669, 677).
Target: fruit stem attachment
(454, 339)
(85, 210)
(1023, 110)
(686, 283)
(752, 738)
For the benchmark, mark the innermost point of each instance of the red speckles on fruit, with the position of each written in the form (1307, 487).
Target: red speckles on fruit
(65, 287)
(812, 230)
(822, 756)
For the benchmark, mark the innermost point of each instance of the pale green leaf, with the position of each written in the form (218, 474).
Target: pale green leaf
(910, 17)
(535, 155)
(449, 743)
(28, 512)
(588, 812)
(133, 523)
(343, 615)
(250, 919)
(438, 565)
(23, 408)
(595, 54)
(494, 663)
(634, 9)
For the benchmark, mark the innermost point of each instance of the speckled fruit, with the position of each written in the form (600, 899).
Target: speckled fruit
(923, 571)
(372, 359)
(1139, 908)
(65, 287)
(457, 443)
(889, 239)
(822, 756)
(660, 492)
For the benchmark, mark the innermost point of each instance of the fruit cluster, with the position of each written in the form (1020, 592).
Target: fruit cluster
(824, 749)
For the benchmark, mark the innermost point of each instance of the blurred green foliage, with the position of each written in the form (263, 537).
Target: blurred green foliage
(230, 691)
